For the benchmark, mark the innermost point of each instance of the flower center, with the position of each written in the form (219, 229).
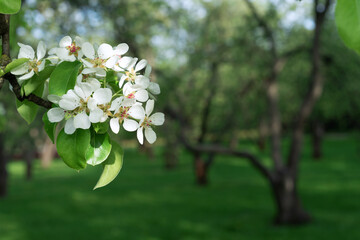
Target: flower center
(122, 114)
(34, 65)
(73, 49)
(98, 62)
(146, 123)
(131, 95)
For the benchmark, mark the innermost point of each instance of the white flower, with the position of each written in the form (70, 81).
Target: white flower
(132, 93)
(117, 58)
(147, 122)
(97, 61)
(34, 65)
(69, 50)
(99, 105)
(123, 113)
(72, 107)
(132, 71)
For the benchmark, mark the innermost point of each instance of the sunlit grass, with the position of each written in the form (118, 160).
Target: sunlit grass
(148, 202)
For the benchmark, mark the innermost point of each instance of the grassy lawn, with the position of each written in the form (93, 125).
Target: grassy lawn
(147, 202)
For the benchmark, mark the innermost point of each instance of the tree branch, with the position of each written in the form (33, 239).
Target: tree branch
(314, 91)
(4, 31)
(216, 149)
(31, 97)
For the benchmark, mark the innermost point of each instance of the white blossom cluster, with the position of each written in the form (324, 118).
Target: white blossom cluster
(93, 100)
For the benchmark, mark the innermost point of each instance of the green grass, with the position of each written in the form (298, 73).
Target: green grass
(146, 202)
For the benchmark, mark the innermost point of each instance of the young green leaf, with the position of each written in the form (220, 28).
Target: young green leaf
(347, 17)
(27, 109)
(38, 79)
(10, 6)
(101, 128)
(14, 64)
(99, 148)
(112, 166)
(49, 127)
(72, 148)
(63, 77)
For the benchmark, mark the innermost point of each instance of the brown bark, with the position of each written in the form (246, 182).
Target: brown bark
(48, 153)
(317, 137)
(28, 156)
(288, 205)
(315, 90)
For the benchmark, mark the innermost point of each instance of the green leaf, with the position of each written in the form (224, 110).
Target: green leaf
(99, 148)
(16, 63)
(49, 127)
(27, 109)
(10, 6)
(38, 79)
(112, 166)
(63, 77)
(347, 17)
(72, 148)
(101, 128)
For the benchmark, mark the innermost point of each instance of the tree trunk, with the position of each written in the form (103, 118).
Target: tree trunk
(317, 137)
(28, 157)
(171, 153)
(200, 171)
(288, 204)
(3, 172)
(48, 153)
(262, 135)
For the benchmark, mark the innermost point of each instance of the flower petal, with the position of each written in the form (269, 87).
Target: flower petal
(142, 95)
(137, 112)
(111, 62)
(69, 126)
(56, 114)
(140, 65)
(88, 50)
(114, 125)
(140, 135)
(142, 81)
(41, 50)
(150, 135)
(157, 119)
(125, 62)
(54, 98)
(27, 76)
(41, 66)
(82, 121)
(63, 54)
(20, 70)
(149, 107)
(105, 51)
(130, 125)
(26, 51)
(116, 103)
(100, 72)
(121, 49)
(96, 115)
(65, 41)
(102, 95)
(154, 88)
(147, 71)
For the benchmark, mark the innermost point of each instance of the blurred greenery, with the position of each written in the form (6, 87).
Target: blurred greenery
(147, 202)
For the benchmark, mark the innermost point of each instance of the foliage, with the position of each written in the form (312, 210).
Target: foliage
(10, 7)
(348, 23)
